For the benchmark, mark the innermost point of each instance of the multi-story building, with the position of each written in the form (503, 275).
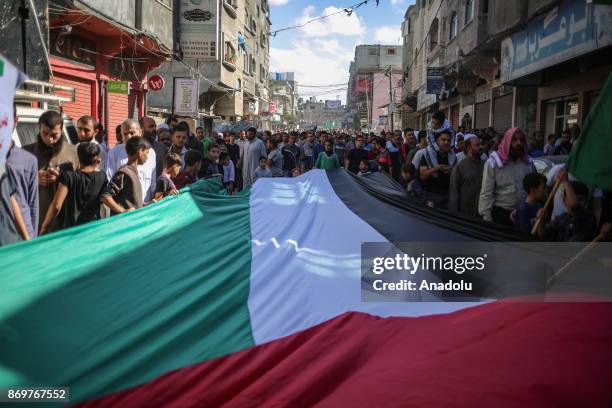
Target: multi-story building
(233, 68)
(499, 64)
(374, 86)
(328, 114)
(284, 94)
(102, 50)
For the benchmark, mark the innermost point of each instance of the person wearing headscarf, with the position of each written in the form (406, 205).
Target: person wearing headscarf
(503, 178)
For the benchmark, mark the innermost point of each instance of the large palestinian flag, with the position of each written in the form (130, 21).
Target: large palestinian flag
(207, 300)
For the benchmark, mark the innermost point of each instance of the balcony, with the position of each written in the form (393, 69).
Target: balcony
(229, 57)
(231, 6)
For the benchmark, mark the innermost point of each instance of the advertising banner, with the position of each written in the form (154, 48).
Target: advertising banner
(186, 95)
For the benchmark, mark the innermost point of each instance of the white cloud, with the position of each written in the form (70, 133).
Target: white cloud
(395, 2)
(315, 62)
(391, 35)
(340, 23)
(282, 2)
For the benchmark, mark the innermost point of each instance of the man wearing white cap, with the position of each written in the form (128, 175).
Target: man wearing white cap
(466, 178)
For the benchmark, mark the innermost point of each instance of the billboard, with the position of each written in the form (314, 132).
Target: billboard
(199, 21)
(362, 84)
(333, 104)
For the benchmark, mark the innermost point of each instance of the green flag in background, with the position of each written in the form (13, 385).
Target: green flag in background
(591, 157)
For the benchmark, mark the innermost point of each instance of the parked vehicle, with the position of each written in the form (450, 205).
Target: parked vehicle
(30, 104)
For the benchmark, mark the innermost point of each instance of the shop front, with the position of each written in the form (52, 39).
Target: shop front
(105, 64)
(567, 63)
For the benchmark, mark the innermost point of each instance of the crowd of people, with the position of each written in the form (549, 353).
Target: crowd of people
(52, 184)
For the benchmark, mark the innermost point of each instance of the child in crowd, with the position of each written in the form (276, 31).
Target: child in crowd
(165, 183)
(328, 160)
(412, 184)
(193, 163)
(210, 166)
(78, 192)
(262, 171)
(296, 172)
(363, 168)
(229, 171)
(124, 191)
(578, 224)
(534, 185)
(550, 146)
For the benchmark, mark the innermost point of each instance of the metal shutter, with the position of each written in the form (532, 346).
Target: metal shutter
(118, 111)
(502, 114)
(83, 91)
(481, 115)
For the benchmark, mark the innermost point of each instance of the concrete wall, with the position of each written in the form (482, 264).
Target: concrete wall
(536, 7)
(11, 41)
(123, 11)
(156, 18)
(391, 55)
(505, 15)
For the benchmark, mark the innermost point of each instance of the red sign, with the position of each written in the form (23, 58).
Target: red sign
(156, 83)
(272, 108)
(362, 85)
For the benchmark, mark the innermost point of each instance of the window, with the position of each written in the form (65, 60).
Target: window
(485, 7)
(239, 84)
(469, 11)
(230, 53)
(390, 51)
(452, 29)
(561, 114)
(373, 51)
(258, 13)
(433, 35)
(409, 25)
(253, 69)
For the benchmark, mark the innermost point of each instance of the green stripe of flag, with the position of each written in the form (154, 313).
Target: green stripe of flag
(591, 157)
(118, 302)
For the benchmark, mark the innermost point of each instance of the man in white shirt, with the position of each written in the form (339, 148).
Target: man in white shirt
(117, 157)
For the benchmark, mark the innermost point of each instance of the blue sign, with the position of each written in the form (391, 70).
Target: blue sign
(435, 80)
(571, 29)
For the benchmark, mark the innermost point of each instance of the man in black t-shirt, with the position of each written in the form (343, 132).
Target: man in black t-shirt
(77, 199)
(355, 156)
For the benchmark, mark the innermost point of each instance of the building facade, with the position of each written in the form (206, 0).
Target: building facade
(537, 65)
(328, 114)
(374, 87)
(283, 90)
(103, 50)
(233, 79)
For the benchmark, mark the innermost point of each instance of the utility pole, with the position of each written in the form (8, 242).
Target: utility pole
(389, 73)
(24, 15)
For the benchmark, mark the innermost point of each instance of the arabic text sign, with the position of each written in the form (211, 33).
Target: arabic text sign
(571, 29)
(435, 80)
(186, 96)
(118, 87)
(200, 29)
